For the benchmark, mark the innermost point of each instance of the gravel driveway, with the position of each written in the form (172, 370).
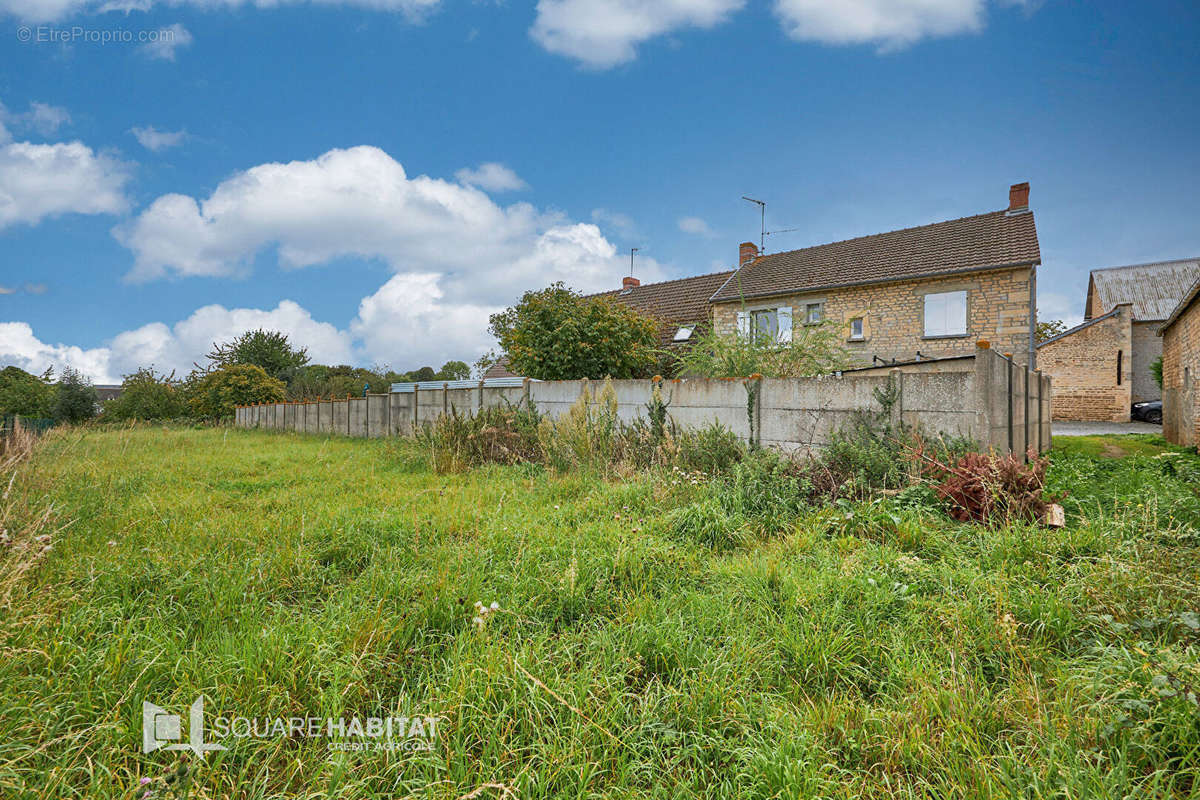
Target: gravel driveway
(1101, 428)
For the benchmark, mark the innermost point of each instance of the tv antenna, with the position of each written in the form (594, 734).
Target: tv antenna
(632, 250)
(762, 230)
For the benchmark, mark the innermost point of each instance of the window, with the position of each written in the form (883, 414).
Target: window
(1120, 365)
(764, 325)
(683, 334)
(812, 314)
(946, 314)
(856, 328)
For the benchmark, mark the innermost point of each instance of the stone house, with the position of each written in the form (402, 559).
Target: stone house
(1181, 370)
(1103, 366)
(927, 292)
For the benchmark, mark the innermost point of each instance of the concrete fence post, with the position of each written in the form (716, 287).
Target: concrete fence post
(896, 380)
(983, 394)
(481, 394)
(445, 399)
(525, 394)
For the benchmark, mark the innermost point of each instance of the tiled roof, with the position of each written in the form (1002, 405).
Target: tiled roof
(499, 370)
(675, 303)
(997, 239)
(1153, 289)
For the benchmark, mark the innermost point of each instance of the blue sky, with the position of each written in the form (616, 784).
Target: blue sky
(376, 176)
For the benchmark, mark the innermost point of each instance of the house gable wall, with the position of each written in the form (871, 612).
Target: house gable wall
(1083, 366)
(998, 310)
(1181, 359)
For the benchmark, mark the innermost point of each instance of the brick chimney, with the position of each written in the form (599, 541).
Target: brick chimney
(747, 252)
(1018, 198)
(628, 282)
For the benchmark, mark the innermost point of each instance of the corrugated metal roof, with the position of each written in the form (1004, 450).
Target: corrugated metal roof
(1152, 289)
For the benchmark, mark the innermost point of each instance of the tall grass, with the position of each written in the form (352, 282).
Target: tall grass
(872, 648)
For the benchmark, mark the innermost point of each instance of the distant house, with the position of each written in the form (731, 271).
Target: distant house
(1102, 367)
(920, 293)
(1181, 370)
(926, 292)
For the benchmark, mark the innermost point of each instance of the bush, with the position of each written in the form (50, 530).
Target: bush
(25, 394)
(145, 395)
(556, 334)
(75, 400)
(588, 435)
(492, 436)
(990, 489)
(714, 450)
(812, 350)
(213, 395)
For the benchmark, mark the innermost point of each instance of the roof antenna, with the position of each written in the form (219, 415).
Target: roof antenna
(632, 250)
(762, 230)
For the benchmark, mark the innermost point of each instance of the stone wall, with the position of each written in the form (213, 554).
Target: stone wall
(998, 311)
(1083, 364)
(1181, 378)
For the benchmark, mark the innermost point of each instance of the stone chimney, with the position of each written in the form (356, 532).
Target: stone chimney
(628, 282)
(1018, 198)
(747, 252)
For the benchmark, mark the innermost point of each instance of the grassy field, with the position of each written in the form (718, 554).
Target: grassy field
(874, 649)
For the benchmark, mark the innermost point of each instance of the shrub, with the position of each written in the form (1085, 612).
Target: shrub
(146, 395)
(25, 394)
(713, 450)
(213, 395)
(588, 435)
(75, 400)
(500, 435)
(989, 489)
(556, 334)
(812, 350)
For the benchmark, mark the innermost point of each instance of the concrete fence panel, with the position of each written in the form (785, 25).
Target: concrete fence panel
(985, 397)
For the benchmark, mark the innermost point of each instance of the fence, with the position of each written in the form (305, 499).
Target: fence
(37, 425)
(985, 397)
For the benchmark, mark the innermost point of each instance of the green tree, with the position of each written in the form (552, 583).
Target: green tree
(213, 395)
(75, 399)
(1156, 371)
(319, 380)
(1048, 329)
(25, 394)
(147, 395)
(454, 371)
(556, 334)
(269, 350)
(423, 374)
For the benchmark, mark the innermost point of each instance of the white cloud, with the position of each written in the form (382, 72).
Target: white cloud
(153, 139)
(458, 257)
(604, 33)
(45, 180)
(360, 203)
(695, 225)
(51, 10)
(6, 290)
(173, 348)
(888, 23)
(42, 118)
(614, 220)
(491, 177)
(167, 41)
(1055, 305)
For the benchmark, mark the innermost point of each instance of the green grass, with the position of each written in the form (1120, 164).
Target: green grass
(641, 648)
(1143, 444)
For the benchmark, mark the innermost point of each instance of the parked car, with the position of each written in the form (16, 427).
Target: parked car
(1148, 412)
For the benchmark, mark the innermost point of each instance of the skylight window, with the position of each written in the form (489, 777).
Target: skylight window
(683, 334)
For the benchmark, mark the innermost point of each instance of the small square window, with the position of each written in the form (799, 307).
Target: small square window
(856, 328)
(812, 314)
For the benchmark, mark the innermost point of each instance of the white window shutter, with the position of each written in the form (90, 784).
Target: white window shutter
(743, 323)
(784, 315)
